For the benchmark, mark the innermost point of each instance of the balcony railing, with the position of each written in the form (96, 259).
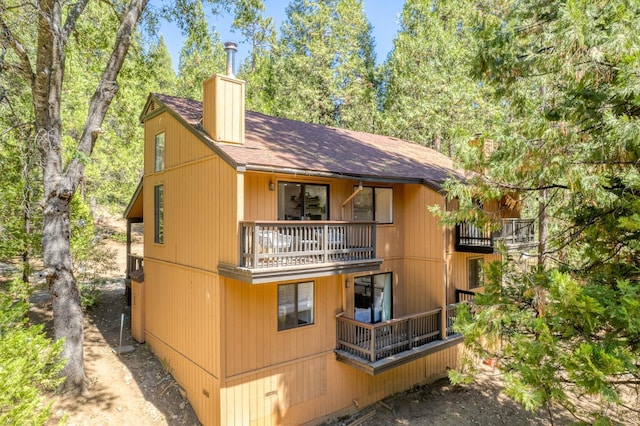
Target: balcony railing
(134, 263)
(401, 338)
(266, 245)
(465, 296)
(514, 234)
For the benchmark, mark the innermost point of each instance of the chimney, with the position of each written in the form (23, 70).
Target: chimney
(223, 103)
(230, 48)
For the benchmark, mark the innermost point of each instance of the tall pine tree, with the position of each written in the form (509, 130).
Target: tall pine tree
(201, 56)
(322, 68)
(429, 95)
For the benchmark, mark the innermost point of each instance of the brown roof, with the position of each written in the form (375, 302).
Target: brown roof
(278, 143)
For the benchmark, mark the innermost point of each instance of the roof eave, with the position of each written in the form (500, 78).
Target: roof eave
(137, 193)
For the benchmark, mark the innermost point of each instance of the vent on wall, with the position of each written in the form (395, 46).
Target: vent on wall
(152, 107)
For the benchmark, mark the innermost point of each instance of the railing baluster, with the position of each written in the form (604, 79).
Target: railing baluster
(254, 246)
(273, 244)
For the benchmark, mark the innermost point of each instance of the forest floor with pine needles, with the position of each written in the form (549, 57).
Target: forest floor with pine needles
(135, 388)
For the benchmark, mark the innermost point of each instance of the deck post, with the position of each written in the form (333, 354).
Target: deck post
(255, 245)
(372, 350)
(325, 243)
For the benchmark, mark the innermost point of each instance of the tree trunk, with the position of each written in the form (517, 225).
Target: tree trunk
(67, 310)
(542, 228)
(60, 184)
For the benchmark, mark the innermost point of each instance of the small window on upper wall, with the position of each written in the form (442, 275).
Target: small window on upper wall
(295, 305)
(475, 268)
(373, 204)
(159, 152)
(158, 209)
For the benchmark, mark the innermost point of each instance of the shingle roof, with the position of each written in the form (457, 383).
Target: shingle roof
(272, 142)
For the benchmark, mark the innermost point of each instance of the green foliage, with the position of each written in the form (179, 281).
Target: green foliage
(20, 218)
(90, 293)
(321, 69)
(201, 56)
(30, 364)
(90, 259)
(429, 95)
(567, 154)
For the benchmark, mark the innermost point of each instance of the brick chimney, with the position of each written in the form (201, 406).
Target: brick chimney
(223, 103)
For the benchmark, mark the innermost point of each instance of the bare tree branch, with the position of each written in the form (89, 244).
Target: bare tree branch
(106, 90)
(72, 18)
(25, 69)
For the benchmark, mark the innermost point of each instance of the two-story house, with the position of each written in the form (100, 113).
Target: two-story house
(291, 271)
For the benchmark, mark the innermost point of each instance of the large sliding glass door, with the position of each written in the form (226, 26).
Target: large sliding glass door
(303, 201)
(372, 296)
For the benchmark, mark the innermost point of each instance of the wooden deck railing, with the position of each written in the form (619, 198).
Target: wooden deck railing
(513, 233)
(289, 243)
(373, 342)
(464, 295)
(451, 314)
(134, 262)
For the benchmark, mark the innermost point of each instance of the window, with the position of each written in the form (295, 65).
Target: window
(372, 296)
(159, 152)
(295, 305)
(158, 209)
(373, 204)
(303, 201)
(476, 272)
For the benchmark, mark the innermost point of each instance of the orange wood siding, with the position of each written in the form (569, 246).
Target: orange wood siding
(458, 270)
(223, 108)
(202, 388)
(423, 252)
(181, 308)
(182, 324)
(252, 340)
(319, 386)
(182, 297)
(200, 200)
(259, 202)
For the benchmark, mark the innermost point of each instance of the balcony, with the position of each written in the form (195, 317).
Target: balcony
(302, 249)
(514, 234)
(375, 348)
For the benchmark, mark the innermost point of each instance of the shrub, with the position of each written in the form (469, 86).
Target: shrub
(29, 364)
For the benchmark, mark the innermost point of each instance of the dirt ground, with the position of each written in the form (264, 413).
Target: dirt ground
(134, 389)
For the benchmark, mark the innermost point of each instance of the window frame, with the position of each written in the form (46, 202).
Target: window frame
(478, 273)
(282, 324)
(282, 209)
(159, 152)
(158, 214)
(374, 204)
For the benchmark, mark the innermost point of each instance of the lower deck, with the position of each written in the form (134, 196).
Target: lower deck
(376, 348)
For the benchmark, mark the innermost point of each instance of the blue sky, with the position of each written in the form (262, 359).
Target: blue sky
(382, 14)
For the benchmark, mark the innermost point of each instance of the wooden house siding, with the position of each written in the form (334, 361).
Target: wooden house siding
(182, 324)
(202, 388)
(318, 386)
(252, 339)
(200, 193)
(458, 272)
(423, 252)
(182, 297)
